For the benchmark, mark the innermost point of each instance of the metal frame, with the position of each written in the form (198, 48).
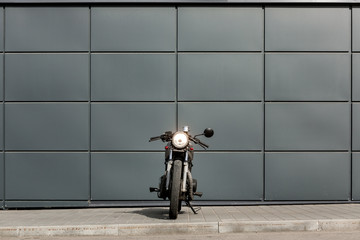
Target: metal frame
(37, 204)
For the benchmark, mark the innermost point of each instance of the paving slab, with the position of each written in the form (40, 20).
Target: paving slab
(155, 220)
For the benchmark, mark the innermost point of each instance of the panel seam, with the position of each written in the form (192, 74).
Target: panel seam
(264, 108)
(3, 103)
(351, 104)
(177, 68)
(89, 150)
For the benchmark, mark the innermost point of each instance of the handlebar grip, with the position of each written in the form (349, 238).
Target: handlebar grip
(154, 138)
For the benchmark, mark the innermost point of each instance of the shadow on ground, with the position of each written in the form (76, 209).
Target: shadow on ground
(156, 213)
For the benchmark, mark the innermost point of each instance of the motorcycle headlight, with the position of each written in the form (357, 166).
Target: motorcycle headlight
(180, 140)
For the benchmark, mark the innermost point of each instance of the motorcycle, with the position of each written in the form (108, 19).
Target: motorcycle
(177, 183)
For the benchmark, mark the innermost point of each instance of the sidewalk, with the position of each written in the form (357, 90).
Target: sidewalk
(154, 220)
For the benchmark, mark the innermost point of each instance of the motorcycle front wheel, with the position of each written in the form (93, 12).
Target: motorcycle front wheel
(175, 189)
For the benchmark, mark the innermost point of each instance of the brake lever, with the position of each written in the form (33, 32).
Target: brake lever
(203, 145)
(197, 141)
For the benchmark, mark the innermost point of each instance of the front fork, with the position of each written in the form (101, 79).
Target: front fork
(185, 171)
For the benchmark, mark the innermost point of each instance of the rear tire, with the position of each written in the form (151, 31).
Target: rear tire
(175, 189)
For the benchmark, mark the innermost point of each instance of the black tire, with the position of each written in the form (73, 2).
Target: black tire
(175, 189)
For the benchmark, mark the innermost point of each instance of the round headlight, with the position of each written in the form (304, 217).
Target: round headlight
(180, 140)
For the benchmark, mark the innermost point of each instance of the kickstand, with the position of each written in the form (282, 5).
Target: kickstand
(192, 208)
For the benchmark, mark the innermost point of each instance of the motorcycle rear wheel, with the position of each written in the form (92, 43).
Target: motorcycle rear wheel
(175, 189)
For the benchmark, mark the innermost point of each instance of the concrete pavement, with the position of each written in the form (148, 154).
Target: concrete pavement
(154, 220)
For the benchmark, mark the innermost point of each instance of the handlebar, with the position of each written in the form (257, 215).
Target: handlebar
(167, 137)
(164, 137)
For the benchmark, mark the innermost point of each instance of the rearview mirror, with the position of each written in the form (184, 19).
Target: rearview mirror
(208, 132)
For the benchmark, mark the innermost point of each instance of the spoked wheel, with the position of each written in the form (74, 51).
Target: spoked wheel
(175, 203)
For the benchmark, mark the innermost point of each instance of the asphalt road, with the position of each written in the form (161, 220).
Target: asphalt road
(240, 236)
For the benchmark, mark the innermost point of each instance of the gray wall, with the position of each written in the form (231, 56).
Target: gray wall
(83, 89)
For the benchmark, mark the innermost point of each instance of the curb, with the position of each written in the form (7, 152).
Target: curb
(183, 228)
(269, 226)
(81, 230)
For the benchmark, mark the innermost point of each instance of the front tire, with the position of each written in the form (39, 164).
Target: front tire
(175, 189)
